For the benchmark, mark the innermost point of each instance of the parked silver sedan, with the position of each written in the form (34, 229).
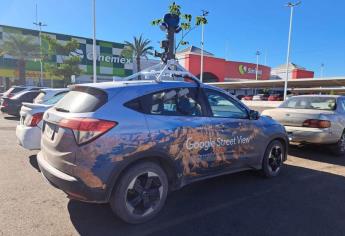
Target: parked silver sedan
(318, 119)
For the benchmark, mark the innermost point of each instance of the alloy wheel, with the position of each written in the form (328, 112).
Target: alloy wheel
(275, 159)
(342, 143)
(144, 193)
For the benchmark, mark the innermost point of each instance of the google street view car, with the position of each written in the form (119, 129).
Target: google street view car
(129, 143)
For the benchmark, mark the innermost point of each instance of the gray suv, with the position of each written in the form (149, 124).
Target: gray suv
(129, 143)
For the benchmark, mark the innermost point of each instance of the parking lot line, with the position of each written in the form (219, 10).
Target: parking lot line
(317, 165)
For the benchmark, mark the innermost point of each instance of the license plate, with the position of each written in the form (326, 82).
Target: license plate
(49, 131)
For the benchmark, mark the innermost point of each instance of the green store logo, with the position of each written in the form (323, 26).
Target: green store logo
(242, 69)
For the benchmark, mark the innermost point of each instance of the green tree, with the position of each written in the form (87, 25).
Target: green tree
(137, 49)
(2, 52)
(185, 23)
(22, 47)
(70, 63)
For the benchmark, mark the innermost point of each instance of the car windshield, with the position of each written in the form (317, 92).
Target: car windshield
(314, 103)
(55, 99)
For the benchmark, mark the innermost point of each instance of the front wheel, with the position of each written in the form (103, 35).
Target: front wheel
(140, 193)
(273, 160)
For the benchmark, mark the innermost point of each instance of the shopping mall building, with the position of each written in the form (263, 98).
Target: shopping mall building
(218, 69)
(111, 64)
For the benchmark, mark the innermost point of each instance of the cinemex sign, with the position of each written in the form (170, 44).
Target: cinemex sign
(102, 58)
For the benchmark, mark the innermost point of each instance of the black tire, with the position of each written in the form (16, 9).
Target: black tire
(272, 162)
(339, 148)
(142, 185)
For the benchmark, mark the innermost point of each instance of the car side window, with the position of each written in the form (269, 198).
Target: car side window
(175, 102)
(223, 106)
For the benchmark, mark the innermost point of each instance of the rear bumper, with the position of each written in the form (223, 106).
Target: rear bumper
(311, 135)
(29, 137)
(71, 185)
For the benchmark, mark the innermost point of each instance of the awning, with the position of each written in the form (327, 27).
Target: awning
(292, 83)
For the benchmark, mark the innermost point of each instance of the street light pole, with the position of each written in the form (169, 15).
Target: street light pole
(291, 5)
(257, 64)
(321, 69)
(257, 67)
(204, 14)
(40, 25)
(94, 55)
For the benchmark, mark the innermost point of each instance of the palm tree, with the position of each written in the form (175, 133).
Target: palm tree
(22, 48)
(139, 48)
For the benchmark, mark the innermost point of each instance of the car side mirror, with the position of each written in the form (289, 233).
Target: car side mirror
(254, 115)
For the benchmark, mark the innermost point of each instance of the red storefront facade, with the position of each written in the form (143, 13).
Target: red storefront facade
(301, 74)
(220, 70)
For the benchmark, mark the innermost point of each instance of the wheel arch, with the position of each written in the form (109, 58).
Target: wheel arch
(284, 141)
(167, 164)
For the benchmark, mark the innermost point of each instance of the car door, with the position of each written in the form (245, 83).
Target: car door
(179, 127)
(236, 137)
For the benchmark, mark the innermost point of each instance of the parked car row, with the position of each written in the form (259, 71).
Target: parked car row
(12, 99)
(261, 97)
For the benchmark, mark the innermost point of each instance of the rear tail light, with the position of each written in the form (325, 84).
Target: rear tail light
(87, 129)
(314, 123)
(4, 103)
(33, 121)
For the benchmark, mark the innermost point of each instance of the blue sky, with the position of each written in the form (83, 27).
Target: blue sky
(235, 31)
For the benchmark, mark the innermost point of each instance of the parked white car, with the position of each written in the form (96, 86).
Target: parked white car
(28, 130)
(260, 97)
(46, 94)
(317, 119)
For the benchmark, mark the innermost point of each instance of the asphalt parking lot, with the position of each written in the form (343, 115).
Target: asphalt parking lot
(306, 199)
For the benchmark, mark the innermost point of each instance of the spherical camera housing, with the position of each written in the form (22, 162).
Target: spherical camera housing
(172, 20)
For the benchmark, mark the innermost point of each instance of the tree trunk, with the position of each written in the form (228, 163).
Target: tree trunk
(21, 70)
(138, 67)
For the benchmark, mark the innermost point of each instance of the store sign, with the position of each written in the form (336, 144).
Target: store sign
(102, 58)
(247, 70)
(109, 59)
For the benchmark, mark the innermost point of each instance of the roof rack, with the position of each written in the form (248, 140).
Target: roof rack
(171, 69)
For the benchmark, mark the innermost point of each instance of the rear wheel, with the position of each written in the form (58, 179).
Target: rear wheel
(140, 193)
(339, 147)
(273, 160)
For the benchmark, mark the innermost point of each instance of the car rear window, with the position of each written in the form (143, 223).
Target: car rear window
(13, 90)
(82, 100)
(314, 103)
(16, 90)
